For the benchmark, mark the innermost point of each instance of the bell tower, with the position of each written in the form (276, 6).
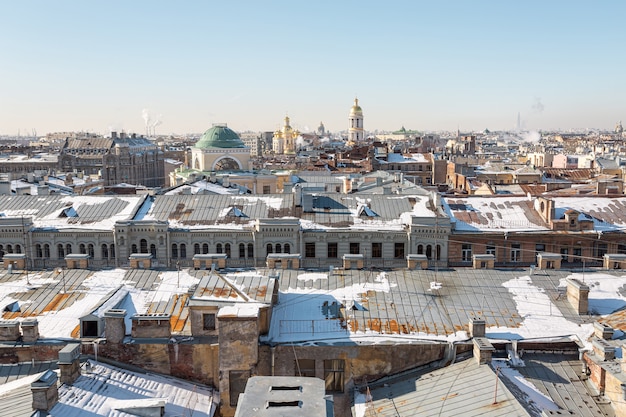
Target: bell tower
(355, 126)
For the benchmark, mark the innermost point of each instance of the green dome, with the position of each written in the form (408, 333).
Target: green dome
(220, 136)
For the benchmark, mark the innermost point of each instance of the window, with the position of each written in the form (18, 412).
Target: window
(82, 249)
(398, 251)
(438, 252)
(564, 254)
(306, 367)
(174, 250)
(269, 248)
(153, 250)
(68, 248)
(466, 252)
(205, 248)
(420, 249)
(104, 252)
(46, 251)
(38, 251)
(279, 248)
(516, 252)
(112, 251)
(218, 248)
(490, 249)
(332, 250)
(540, 247)
(333, 375)
(287, 248)
(227, 249)
(600, 249)
(196, 248)
(266, 189)
(143, 246)
(208, 321)
(250, 250)
(355, 248)
(242, 250)
(429, 251)
(90, 250)
(133, 248)
(309, 250)
(377, 250)
(183, 250)
(621, 248)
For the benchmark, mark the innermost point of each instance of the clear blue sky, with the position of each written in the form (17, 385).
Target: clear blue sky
(96, 65)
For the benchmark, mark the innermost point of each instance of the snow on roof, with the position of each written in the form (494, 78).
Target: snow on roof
(494, 213)
(58, 212)
(95, 294)
(347, 306)
(93, 393)
(398, 158)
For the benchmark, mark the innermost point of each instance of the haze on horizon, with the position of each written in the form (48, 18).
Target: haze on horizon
(101, 66)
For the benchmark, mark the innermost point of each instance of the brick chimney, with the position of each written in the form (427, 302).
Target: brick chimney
(45, 391)
(69, 363)
(30, 330)
(114, 326)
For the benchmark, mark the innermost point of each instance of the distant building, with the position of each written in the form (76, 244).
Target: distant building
(118, 159)
(220, 149)
(284, 140)
(356, 133)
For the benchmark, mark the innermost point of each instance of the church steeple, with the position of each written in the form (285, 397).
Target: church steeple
(356, 133)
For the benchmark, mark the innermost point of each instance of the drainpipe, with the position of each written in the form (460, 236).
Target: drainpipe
(273, 349)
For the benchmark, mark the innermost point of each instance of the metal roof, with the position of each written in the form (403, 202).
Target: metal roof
(461, 389)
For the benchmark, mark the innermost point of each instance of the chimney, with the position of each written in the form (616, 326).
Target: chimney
(30, 330)
(483, 350)
(603, 349)
(45, 391)
(69, 363)
(114, 326)
(477, 327)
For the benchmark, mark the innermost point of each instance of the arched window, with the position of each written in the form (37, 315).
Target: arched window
(196, 248)
(250, 250)
(429, 251)
(438, 252)
(205, 248)
(174, 250)
(133, 248)
(287, 248)
(420, 250)
(90, 250)
(1, 250)
(269, 249)
(18, 249)
(112, 251)
(153, 250)
(143, 246)
(81, 248)
(68, 249)
(9, 249)
(278, 248)
(38, 251)
(218, 248)
(104, 253)
(183, 251)
(242, 250)
(46, 251)
(227, 249)
(60, 251)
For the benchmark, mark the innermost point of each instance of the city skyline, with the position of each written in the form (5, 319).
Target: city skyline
(180, 68)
